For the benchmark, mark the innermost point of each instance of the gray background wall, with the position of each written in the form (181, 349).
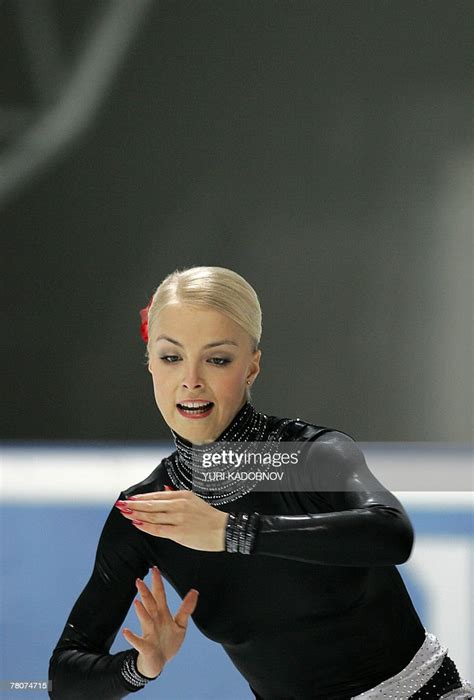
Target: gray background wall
(323, 150)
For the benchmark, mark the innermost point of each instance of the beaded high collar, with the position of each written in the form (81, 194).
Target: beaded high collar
(185, 468)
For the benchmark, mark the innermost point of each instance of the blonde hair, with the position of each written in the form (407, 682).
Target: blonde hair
(217, 287)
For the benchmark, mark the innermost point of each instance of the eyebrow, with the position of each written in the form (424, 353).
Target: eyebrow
(226, 341)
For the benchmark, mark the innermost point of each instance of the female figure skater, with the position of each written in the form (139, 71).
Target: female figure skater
(300, 588)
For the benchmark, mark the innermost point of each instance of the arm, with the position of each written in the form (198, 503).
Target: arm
(81, 667)
(362, 523)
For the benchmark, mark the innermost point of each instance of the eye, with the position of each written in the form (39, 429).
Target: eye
(217, 361)
(165, 358)
(220, 361)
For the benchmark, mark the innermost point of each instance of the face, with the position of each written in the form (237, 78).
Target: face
(189, 360)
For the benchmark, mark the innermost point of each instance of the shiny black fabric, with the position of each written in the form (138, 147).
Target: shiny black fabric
(317, 610)
(445, 679)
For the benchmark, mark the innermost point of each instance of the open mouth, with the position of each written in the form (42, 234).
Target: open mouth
(192, 410)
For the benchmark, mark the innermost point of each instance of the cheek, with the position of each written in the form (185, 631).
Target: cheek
(159, 384)
(232, 380)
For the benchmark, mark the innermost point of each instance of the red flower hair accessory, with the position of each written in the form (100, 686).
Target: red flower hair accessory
(144, 321)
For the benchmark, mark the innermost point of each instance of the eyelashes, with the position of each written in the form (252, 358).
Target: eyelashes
(221, 361)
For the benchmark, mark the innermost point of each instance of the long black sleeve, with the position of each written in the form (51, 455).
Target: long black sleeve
(362, 523)
(81, 667)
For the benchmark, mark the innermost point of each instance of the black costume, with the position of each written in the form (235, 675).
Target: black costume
(316, 610)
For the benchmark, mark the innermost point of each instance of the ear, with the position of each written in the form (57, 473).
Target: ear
(254, 367)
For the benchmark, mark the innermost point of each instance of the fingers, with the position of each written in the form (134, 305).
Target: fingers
(188, 604)
(161, 505)
(133, 639)
(144, 617)
(153, 516)
(187, 608)
(147, 609)
(148, 599)
(164, 495)
(158, 588)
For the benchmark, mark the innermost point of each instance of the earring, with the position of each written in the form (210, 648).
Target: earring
(248, 381)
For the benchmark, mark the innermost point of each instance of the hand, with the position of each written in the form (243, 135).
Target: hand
(181, 516)
(162, 633)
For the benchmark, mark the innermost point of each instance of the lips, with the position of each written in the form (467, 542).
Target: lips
(201, 409)
(202, 406)
(195, 404)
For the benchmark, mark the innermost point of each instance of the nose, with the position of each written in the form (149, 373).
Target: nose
(191, 378)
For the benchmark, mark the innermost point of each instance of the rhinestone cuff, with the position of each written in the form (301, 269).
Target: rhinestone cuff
(241, 532)
(130, 672)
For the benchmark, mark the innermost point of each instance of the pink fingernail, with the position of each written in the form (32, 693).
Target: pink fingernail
(122, 509)
(137, 522)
